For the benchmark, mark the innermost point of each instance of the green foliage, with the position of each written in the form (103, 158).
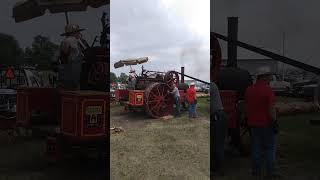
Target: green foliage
(123, 77)
(203, 106)
(11, 53)
(41, 52)
(113, 77)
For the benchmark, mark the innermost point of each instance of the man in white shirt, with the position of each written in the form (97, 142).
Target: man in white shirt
(176, 96)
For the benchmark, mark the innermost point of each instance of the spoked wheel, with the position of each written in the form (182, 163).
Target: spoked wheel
(171, 77)
(158, 102)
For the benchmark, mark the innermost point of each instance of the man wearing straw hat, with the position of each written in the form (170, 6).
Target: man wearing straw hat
(71, 57)
(69, 62)
(261, 113)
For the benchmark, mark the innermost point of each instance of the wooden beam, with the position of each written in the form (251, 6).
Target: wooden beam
(271, 55)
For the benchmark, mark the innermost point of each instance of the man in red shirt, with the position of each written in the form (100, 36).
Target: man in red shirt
(192, 100)
(260, 109)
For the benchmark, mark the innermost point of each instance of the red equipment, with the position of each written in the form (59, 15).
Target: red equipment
(30, 99)
(84, 114)
(83, 123)
(122, 95)
(150, 90)
(228, 97)
(152, 94)
(232, 83)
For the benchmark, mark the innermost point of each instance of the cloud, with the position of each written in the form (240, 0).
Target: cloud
(161, 31)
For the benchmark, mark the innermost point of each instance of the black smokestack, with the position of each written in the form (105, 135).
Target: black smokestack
(233, 35)
(182, 74)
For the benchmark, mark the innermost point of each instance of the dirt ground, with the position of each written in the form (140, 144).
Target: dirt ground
(176, 148)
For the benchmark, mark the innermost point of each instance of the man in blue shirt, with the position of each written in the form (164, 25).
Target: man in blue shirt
(176, 96)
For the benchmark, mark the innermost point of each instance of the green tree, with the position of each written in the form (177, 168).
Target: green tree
(41, 52)
(123, 77)
(11, 53)
(113, 77)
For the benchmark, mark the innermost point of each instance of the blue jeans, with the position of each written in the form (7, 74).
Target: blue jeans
(177, 102)
(219, 135)
(192, 109)
(263, 137)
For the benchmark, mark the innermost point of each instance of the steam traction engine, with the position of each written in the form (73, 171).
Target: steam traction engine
(84, 113)
(82, 124)
(150, 91)
(232, 82)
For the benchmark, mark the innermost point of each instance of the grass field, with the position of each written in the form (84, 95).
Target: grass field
(161, 149)
(179, 148)
(298, 151)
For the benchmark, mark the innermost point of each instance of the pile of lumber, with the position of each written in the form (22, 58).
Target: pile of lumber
(115, 130)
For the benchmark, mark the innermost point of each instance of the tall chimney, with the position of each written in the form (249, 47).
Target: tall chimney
(182, 74)
(233, 36)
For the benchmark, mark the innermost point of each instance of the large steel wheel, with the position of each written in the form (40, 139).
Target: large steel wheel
(171, 77)
(158, 101)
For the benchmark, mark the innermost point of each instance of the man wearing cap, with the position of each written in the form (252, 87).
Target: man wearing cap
(192, 100)
(261, 113)
(71, 57)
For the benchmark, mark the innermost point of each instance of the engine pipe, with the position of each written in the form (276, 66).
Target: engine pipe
(194, 78)
(232, 48)
(182, 74)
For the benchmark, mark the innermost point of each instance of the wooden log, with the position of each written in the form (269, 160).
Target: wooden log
(295, 108)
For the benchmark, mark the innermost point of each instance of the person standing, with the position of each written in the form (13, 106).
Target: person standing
(219, 121)
(71, 58)
(192, 100)
(69, 63)
(176, 95)
(261, 113)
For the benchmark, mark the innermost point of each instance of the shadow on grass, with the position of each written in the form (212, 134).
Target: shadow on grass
(26, 160)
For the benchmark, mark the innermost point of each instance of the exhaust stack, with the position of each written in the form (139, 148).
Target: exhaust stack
(182, 74)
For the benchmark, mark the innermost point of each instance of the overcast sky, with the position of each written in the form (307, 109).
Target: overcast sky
(50, 25)
(172, 33)
(262, 23)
